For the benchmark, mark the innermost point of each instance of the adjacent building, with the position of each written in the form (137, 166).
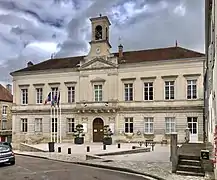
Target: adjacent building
(210, 79)
(6, 101)
(143, 94)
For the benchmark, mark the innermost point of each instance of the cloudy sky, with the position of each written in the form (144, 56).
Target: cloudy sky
(31, 30)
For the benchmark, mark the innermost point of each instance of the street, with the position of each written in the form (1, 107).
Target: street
(28, 168)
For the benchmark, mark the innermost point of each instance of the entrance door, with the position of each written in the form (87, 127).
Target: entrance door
(2, 138)
(192, 125)
(97, 130)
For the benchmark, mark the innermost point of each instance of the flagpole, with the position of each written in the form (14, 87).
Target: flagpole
(51, 140)
(54, 135)
(60, 121)
(57, 125)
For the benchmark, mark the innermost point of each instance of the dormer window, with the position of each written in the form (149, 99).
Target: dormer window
(98, 32)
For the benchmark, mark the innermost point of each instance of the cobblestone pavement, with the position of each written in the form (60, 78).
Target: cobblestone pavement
(160, 169)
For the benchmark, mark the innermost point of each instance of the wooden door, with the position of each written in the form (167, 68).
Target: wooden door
(97, 130)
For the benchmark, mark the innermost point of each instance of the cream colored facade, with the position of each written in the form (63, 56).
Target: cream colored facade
(102, 68)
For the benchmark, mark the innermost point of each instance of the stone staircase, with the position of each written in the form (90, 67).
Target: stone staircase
(190, 165)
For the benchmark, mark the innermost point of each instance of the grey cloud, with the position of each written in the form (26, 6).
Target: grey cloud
(162, 30)
(66, 23)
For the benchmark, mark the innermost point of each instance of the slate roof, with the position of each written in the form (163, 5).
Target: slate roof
(5, 95)
(129, 57)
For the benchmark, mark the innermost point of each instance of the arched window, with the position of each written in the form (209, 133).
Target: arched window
(98, 32)
(106, 33)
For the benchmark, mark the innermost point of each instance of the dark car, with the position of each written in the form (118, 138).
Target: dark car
(6, 155)
(6, 143)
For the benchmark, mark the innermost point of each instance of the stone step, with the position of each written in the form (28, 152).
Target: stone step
(188, 168)
(189, 157)
(190, 162)
(190, 173)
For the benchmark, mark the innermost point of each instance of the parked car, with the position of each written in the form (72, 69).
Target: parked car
(6, 143)
(6, 155)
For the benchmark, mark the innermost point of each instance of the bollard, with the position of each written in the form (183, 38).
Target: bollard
(69, 151)
(104, 147)
(119, 145)
(59, 149)
(152, 146)
(88, 148)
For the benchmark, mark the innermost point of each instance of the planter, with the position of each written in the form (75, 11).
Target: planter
(107, 141)
(79, 140)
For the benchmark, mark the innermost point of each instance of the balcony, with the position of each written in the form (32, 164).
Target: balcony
(112, 106)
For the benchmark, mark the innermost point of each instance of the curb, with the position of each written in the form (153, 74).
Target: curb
(120, 169)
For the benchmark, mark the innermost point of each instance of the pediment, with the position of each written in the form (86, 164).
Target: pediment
(98, 63)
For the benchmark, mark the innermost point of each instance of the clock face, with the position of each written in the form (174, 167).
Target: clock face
(97, 50)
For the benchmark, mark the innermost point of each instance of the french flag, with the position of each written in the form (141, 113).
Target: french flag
(48, 98)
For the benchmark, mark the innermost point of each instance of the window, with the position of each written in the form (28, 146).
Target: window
(24, 125)
(192, 124)
(98, 93)
(191, 89)
(38, 124)
(54, 91)
(54, 125)
(39, 95)
(129, 125)
(148, 91)
(71, 125)
(4, 110)
(71, 94)
(170, 125)
(149, 125)
(169, 89)
(24, 96)
(128, 91)
(4, 123)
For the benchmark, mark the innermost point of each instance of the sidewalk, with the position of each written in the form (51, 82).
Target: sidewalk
(160, 169)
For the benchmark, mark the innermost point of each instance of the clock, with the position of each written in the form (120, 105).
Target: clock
(97, 50)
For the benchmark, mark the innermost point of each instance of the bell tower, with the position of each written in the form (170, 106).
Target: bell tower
(99, 43)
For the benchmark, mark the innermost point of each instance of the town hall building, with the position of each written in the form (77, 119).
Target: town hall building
(144, 94)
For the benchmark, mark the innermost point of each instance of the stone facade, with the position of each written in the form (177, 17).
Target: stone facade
(101, 69)
(6, 118)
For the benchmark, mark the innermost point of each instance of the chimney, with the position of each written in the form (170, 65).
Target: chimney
(9, 88)
(30, 64)
(120, 51)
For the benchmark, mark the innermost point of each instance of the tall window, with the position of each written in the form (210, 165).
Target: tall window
(71, 94)
(98, 93)
(128, 91)
(24, 125)
(191, 89)
(4, 110)
(129, 125)
(24, 96)
(149, 125)
(170, 125)
(39, 95)
(169, 89)
(148, 91)
(192, 124)
(4, 123)
(54, 91)
(38, 124)
(71, 125)
(54, 125)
